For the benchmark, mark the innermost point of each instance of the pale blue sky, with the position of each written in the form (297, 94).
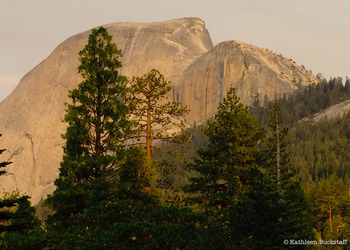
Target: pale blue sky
(314, 33)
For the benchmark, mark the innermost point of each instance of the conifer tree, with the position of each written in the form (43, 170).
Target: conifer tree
(153, 112)
(136, 177)
(277, 149)
(293, 218)
(330, 201)
(228, 167)
(154, 115)
(97, 126)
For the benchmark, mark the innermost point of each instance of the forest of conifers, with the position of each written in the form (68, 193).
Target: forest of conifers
(257, 178)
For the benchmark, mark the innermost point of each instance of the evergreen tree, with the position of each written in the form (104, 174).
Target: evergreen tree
(136, 177)
(292, 211)
(228, 167)
(97, 126)
(131, 218)
(330, 202)
(23, 231)
(154, 114)
(277, 153)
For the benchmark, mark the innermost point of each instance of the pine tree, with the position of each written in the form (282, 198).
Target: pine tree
(97, 127)
(330, 205)
(292, 215)
(18, 214)
(136, 177)
(228, 167)
(277, 149)
(23, 230)
(154, 114)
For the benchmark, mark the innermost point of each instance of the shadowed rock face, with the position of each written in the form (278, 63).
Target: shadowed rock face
(182, 50)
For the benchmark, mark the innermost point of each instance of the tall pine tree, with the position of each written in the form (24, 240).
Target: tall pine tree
(277, 154)
(292, 212)
(97, 126)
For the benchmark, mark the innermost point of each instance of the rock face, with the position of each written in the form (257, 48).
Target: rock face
(253, 71)
(182, 50)
(333, 112)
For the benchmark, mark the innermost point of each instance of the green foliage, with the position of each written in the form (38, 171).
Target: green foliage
(293, 208)
(130, 218)
(238, 186)
(98, 116)
(97, 126)
(319, 156)
(276, 158)
(8, 208)
(330, 203)
(295, 216)
(33, 239)
(228, 166)
(132, 224)
(155, 116)
(17, 219)
(150, 92)
(24, 218)
(137, 177)
(20, 227)
(171, 160)
(321, 149)
(254, 221)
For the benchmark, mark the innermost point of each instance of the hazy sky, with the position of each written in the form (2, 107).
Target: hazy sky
(314, 33)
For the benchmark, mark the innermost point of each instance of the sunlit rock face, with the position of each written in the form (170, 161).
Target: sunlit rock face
(253, 71)
(333, 112)
(181, 49)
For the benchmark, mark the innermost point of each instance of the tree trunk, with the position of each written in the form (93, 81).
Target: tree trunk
(278, 152)
(330, 218)
(149, 136)
(98, 129)
(148, 146)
